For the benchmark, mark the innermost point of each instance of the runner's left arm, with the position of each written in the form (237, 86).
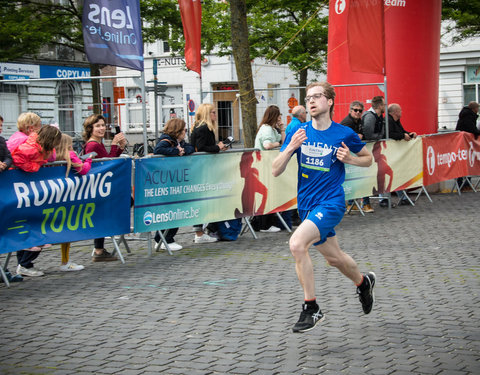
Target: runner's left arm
(363, 158)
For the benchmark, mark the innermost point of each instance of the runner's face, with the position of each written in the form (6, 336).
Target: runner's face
(318, 104)
(99, 129)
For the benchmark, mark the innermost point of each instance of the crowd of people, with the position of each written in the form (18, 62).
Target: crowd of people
(321, 199)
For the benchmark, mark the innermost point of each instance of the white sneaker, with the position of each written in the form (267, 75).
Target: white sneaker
(28, 271)
(173, 246)
(204, 238)
(272, 229)
(70, 266)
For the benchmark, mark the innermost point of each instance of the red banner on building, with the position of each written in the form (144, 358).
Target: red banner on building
(449, 156)
(191, 12)
(366, 36)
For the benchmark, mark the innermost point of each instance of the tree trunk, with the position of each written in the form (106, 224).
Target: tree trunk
(95, 72)
(243, 65)
(303, 82)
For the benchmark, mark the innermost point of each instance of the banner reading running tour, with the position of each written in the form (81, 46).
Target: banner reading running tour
(47, 207)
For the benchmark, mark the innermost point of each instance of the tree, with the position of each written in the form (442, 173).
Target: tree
(241, 54)
(465, 15)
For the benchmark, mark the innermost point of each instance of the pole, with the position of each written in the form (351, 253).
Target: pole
(155, 95)
(387, 131)
(144, 114)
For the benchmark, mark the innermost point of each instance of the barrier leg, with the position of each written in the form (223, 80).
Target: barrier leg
(163, 240)
(407, 197)
(423, 190)
(283, 222)
(469, 181)
(4, 277)
(116, 249)
(249, 227)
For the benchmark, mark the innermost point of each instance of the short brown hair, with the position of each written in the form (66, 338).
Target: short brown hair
(88, 125)
(377, 101)
(174, 127)
(328, 91)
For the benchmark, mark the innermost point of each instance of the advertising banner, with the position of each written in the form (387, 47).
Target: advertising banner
(47, 207)
(112, 33)
(448, 156)
(180, 191)
(397, 165)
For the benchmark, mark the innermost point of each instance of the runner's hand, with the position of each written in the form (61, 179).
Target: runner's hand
(343, 153)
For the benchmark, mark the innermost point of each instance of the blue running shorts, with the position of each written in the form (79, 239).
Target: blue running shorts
(325, 217)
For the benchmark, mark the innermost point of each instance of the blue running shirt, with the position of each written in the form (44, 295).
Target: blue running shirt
(320, 174)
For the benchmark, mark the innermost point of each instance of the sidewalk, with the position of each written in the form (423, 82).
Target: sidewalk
(228, 307)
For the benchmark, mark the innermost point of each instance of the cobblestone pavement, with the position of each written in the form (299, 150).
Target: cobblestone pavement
(228, 308)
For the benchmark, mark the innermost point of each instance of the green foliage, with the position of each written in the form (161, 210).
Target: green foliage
(466, 17)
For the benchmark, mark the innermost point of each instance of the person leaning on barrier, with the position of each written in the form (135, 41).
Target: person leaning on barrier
(299, 116)
(467, 122)
(94, 129)
(395, 127)
(354, 121)
(467, 119)
(372, 120)
(270, 135)
(5, 155)
(203, 139)
(172, 143)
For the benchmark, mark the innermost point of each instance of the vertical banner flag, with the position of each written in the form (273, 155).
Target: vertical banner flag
(112, 33)
(191, 12)
(366, 36)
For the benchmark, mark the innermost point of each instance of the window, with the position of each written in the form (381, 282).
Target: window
(65, 108)
(166, 47)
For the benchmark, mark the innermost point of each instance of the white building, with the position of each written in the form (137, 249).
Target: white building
(274, 84)
(459, 81)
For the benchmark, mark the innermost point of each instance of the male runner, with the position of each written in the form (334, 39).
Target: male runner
(322, 147)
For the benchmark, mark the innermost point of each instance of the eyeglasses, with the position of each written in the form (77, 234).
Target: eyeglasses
(314, 96)
(357, 110)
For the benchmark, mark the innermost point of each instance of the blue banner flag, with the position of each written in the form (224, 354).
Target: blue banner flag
(47, 207)
(112, 33)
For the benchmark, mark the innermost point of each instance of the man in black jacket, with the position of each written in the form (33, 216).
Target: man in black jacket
(467, 119)
(395, 128)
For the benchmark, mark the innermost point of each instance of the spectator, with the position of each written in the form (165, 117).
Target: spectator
(172, 143)
(94, 129)
(27, 123)
(65, 152)
(372, 120)
(5, 155)
(396, 130)
(30, 156)
(354, 121)
(270, 135)
(203, 139)
(299, 114)
(467, 122)
(467, 119)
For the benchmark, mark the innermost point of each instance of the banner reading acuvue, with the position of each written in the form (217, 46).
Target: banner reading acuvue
(46, 207)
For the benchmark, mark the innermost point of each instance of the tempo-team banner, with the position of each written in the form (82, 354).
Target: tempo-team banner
(47, 207)
(180, 191)
(448, 156)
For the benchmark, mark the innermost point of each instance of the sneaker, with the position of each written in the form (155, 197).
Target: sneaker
(403, 202)
(34, 248)
(173, 246)
(384, 203)
(367, 297)
(22, 271)
(367, 208)
(70, 266)
(272, 229)
(204, 238)
(308, 319)
(46, 246)
(105, 256)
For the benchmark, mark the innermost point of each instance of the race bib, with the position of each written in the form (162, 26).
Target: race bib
(316, 158)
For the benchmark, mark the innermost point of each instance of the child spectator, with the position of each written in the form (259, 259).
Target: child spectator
(27, 123)
(5, 156)
(172, 143)
(65, 152)
(30, 156)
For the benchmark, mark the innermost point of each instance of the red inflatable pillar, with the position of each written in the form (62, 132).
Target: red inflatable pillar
(412, 37)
